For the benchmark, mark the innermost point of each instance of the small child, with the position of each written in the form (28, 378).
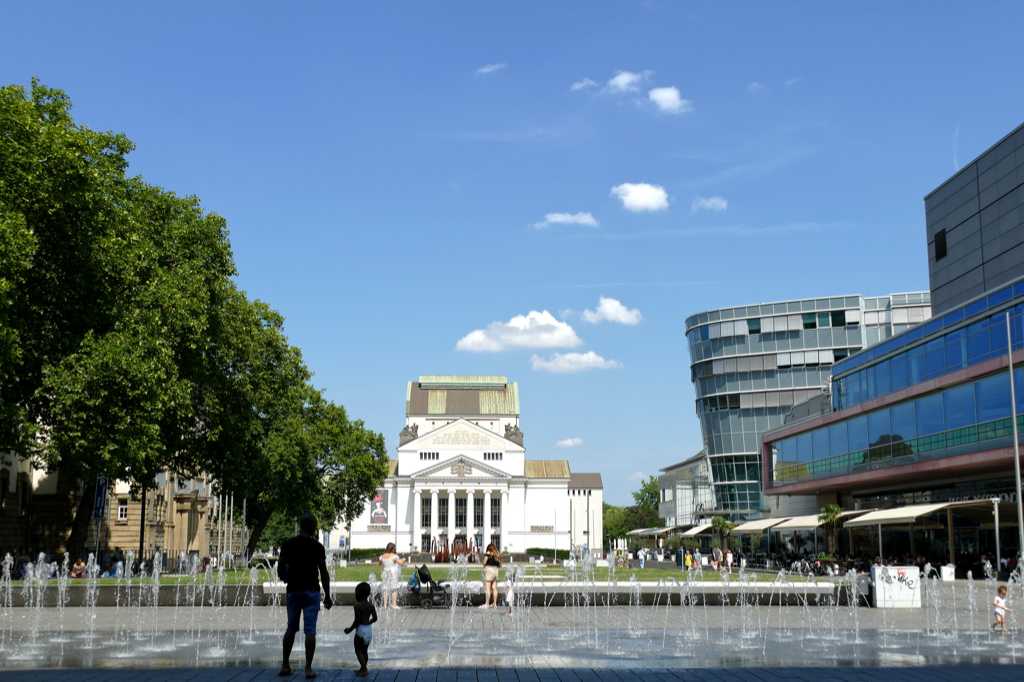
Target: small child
(510, 591)
(1000, 608)
(365, 616)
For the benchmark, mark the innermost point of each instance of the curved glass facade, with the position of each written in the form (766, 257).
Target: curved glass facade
(751, 364)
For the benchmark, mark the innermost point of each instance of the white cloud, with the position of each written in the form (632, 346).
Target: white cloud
(585, 83)
(534, 330)
(792, 81)
(491, 68)
(613, 311)
(567, 219)
(710, 204)
(754, 87)
(669, 101)
(626, 81)
(641, 196)
(568, 363)
(636, 476)
(569, 443)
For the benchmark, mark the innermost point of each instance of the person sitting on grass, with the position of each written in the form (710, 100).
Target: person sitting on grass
(365, 617)
(78, 570)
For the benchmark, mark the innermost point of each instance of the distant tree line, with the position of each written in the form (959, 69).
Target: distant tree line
(126, 349)
(642, 514)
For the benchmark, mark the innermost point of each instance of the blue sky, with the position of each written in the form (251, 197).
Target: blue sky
(398, 176)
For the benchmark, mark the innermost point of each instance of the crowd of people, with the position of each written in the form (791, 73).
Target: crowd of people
(50, 568)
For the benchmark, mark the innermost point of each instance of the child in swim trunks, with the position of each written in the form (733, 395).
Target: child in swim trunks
(365, 617)
(1000, 609)
(510, 589)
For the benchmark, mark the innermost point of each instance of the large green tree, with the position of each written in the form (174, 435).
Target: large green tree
(126, 349)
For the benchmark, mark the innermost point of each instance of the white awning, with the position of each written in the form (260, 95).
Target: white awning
(901, 515)
(758, 526)
(810, 522)
(651, 531)
(697, 530)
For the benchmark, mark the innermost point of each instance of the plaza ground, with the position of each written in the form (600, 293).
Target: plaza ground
(947, 673)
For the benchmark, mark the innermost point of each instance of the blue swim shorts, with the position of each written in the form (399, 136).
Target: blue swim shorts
(308, 604)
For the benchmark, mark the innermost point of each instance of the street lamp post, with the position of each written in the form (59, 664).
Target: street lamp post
(1016, 446)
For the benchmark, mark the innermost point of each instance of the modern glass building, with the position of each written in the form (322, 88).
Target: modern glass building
(926, 416)
(751, 364)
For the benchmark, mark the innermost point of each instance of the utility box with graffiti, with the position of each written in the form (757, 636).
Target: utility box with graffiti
(896, 587)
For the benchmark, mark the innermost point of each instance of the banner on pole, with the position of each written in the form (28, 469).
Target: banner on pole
(99, 504)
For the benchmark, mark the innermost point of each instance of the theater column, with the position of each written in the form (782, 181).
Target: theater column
(470, 519)
(487, 518)
(433, 515)
(451, 517)
(417, 511)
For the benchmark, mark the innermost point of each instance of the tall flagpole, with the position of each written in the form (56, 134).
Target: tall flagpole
(1016, 446)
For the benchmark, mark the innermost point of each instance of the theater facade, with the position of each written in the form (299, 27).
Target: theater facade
(461, 476)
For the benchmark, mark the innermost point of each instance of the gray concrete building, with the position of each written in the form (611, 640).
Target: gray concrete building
(976, 226)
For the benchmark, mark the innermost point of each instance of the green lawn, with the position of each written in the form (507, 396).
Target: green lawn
(362, 572)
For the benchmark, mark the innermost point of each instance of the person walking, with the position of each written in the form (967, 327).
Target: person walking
(492, 565)
(302, 558)
(716, 558)
(728, 561)
(392, 564)
(696, 558)
(688, 560)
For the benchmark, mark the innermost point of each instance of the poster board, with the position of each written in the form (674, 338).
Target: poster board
(896, 587)
(379, 508)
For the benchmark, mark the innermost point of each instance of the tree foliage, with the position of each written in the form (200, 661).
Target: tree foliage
(125, 347)
(644, 514)
(647, 496)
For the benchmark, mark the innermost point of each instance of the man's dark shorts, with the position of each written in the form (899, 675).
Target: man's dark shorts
(308, 604)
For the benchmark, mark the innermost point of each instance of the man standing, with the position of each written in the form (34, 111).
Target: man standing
(302, 558)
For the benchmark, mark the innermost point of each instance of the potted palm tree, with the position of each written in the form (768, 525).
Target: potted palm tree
(830, 518)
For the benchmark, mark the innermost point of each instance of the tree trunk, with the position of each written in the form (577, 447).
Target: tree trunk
(80, 526)
(260, 521)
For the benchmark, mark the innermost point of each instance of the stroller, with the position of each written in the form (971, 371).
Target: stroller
(431, 592)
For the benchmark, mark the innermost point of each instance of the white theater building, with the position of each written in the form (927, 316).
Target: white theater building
(462, 474)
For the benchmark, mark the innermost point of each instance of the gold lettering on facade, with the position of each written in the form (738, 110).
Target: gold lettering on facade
(378, 529)
(542, 529)
(461, 438)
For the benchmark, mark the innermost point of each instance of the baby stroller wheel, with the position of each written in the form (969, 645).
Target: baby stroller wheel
(426, 602)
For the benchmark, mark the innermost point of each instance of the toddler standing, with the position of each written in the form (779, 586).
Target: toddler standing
(365, 617)
(510, 591)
